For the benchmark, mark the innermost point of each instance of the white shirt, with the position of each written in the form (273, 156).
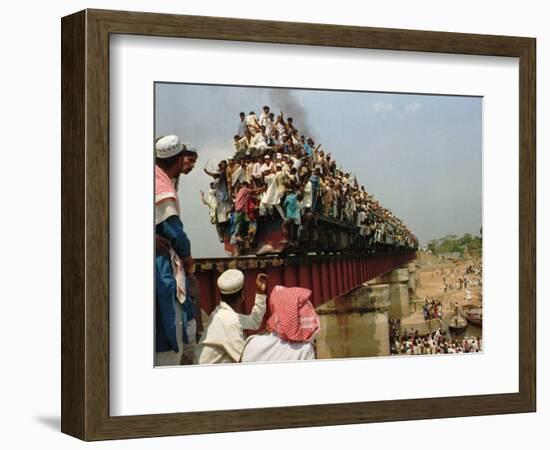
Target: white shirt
(252, 123)
(271, 194)
(280, 178)
(259, 141)
(264, 118)
(223, 339)
(308, 196)
(242, 128)
(360, 218)
(211, 202)
(266, 166)
(257, 170)
(268, 127)
(237, 176)
(241, 144)
(270, 347)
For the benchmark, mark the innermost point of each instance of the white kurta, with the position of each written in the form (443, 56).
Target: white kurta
(280, 178)
(239, 175)
(270, 347)
(257, 170)
(308, 196)
(271, 195)
(360, 218)
(268, 127)
(259, 141)
(211, 202)
(296, 162)
(223, 339)
(266, 166)
(263, 118)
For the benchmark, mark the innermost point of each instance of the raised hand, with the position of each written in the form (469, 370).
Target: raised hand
(261, 283)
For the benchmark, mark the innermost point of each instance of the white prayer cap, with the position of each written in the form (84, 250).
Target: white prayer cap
(279, 156)
(168, 146)
(189, 147)
(267, 157)
(231, 281)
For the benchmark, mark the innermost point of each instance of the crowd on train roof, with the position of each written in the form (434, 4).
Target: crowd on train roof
(275, 170)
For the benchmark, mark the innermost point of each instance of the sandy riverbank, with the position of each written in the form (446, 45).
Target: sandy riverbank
(432, 277)
(359, 334)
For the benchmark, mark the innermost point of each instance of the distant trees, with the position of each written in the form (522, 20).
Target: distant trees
(451, 243)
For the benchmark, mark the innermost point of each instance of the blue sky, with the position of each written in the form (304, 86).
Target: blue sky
(420, 155)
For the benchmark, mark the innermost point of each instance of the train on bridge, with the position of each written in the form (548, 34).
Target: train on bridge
(278, 193)
(319, 235)
(280, 204)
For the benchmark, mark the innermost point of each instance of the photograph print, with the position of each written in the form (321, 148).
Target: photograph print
(297, 224)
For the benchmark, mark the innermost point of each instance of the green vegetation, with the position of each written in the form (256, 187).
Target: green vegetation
(451, 243)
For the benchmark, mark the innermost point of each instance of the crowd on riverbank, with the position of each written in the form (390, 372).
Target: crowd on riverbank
(413, 343)
(432, 309)
(459, 280)
(470, 277)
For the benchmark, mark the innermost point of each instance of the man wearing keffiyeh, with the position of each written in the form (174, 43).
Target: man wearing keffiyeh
(293, 325)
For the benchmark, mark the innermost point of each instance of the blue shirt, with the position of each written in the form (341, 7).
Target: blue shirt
(291, 207)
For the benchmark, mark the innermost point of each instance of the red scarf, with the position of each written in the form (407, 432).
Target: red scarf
(292, 315)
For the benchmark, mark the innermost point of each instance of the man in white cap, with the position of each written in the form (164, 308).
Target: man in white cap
(223, 339)
(175, 313)
(267, 165)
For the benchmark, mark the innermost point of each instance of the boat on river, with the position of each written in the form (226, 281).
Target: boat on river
(474, 316)
(458, 324)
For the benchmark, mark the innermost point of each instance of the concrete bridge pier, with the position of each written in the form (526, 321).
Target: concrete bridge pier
(355, 325)
(411, 267)
(398, 281)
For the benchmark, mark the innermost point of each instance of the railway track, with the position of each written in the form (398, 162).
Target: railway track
(277, 260)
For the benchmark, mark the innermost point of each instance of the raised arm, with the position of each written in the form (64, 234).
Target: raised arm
(254, 319)
(212, 174)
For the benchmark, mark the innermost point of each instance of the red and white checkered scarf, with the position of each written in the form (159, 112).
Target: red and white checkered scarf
(292, 315)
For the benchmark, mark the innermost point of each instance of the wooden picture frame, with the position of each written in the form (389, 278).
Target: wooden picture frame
(85, 224)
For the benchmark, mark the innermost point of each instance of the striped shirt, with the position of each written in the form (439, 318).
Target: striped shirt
(241, 201)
